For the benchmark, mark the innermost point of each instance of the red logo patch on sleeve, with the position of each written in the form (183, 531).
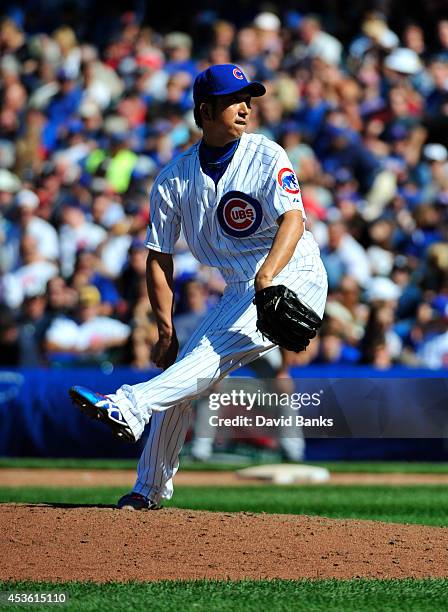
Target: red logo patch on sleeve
(288, 181)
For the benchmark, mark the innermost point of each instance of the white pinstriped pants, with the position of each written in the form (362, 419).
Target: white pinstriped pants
(226, 340)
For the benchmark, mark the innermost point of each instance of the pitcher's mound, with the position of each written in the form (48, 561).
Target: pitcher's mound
(41, 542)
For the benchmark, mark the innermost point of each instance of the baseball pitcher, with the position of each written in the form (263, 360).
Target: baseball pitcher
(238, 201)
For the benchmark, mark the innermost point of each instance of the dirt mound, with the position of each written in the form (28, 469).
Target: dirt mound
(41, 542)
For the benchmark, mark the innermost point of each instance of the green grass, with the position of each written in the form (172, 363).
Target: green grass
(427, 504)
(385, 467)
(376, 467)
(107, 464)
(256, 596)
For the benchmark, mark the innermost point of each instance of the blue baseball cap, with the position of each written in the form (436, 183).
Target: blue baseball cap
(224, 79)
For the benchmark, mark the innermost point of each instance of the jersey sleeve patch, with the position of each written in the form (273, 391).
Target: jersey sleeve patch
(287, 180)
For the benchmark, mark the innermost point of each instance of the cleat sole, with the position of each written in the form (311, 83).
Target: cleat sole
(91, 411)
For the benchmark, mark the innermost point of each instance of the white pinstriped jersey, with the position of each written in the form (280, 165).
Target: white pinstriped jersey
(230, 225)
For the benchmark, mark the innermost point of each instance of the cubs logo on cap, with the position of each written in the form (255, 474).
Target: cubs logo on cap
(239, 215)
(224, 79)
(288, 181)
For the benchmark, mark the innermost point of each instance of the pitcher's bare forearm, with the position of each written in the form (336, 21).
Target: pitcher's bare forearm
(288, 235)
(159, 281)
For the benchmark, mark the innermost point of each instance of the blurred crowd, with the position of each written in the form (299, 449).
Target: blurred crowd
(84, 130)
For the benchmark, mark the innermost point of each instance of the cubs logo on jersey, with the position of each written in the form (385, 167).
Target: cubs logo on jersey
(239, 214)
(288, 181)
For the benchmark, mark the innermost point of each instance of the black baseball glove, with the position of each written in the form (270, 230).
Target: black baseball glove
(284, 319)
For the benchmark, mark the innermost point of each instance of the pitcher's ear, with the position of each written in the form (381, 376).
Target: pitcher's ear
(206, 111)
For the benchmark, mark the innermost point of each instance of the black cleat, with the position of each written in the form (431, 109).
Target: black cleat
(136, 501)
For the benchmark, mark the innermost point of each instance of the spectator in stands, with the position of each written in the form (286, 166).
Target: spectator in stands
(133, 275)
(414, 38)
(178, 48)
(91, 336)
(374, 39)
(334, 351)
(434, 352)
(33, 324)
(248, 53)
(9, 185)
(88, 271)
(142, 340)
(193, 307)
(381, 344)
(317, 43)
(347, 312)
(301, 154)
(76, 233)
(62, 300)
(31, 277)
(343, 255)
(44, 233)
(442, 34)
